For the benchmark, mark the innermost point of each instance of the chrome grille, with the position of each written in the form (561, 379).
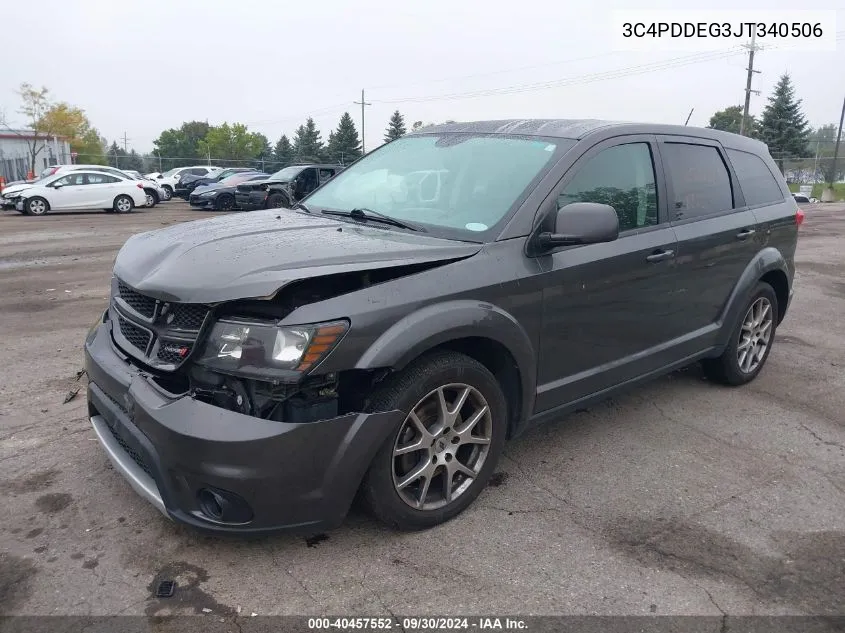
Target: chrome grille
(159, 333)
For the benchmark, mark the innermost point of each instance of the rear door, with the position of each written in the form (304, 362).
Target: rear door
(608, 309)
(101, 190)
(717, 232)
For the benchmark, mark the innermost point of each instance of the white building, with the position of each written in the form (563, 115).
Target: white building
(16, 153)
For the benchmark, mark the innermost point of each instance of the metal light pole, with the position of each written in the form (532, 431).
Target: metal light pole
(363, 103)
(836, 149)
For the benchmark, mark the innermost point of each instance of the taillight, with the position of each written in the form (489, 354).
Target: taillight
(799, 217)
(139, 185)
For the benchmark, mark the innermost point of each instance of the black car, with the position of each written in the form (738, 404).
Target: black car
(220, 196)
(445, 293)
(284, 188)
(189, 182)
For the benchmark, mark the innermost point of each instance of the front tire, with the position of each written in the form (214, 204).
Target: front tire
(441, 457)
(152, 198)
(277, 201)
(168, 191)
(751, 340)
(36, 206)
(224, 202)
(123, 204)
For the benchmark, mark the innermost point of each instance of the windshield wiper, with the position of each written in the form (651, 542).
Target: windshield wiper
(299, 205)
(362, 213)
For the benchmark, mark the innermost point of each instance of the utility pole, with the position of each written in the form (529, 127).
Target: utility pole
(751, 48)
(363, 103)
(125, 143)
(836, 148)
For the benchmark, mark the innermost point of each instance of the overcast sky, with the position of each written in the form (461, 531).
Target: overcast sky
(142, 67)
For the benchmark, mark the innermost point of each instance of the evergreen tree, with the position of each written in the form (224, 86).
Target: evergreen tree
(783, 126)
(283, 152)
(395, 128)
(344, 145)
(307, 143)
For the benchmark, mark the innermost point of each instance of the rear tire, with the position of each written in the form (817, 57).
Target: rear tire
(441, 394)
(751, 340)
(36, 206)
(123, 204)
(277, 201)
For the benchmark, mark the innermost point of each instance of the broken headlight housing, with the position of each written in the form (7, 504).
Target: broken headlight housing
(267, 351)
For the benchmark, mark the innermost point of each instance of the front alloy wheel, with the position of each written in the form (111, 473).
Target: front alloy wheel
(439, 458)
(442, 446)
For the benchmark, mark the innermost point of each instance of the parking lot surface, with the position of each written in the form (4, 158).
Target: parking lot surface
(681, 497)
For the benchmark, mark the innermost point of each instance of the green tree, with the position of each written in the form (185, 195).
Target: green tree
(344, 146)
(307, 142)
(783, 126)
(266, 157)
(395, 128)
(730, 120)
(179, 147)
(231, 143)
(822, 143)
(71, 123)
(283, 152)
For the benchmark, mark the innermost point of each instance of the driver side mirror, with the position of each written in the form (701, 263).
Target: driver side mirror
(582, 223)
(58, 185)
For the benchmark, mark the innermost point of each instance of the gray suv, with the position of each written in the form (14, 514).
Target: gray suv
(443, 294)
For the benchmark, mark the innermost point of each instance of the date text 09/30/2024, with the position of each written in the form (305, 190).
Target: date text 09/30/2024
(416, 624)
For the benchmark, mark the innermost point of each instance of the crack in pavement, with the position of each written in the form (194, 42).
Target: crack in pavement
(820, 438)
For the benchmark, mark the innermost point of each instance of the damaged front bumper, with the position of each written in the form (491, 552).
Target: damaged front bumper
(223, 471)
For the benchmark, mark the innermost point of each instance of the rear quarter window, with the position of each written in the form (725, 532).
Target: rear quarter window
(757, 182)
(701, 184)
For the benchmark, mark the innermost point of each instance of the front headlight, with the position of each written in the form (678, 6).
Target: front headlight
(208, 194)
(262, 350)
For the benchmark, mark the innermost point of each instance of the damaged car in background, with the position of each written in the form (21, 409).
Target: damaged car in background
(446, 292)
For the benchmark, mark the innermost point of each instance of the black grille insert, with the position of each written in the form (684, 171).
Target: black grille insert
(140, 303)
(135, 455)
(138, 337)
(187, 316)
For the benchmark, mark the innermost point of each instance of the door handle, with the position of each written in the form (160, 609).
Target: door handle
(745, 234)
(659, 256)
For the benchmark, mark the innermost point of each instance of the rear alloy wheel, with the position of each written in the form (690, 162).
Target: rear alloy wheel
(224, 202)
(750, 342)
(123, 204)
(440, 458)
(36, 206)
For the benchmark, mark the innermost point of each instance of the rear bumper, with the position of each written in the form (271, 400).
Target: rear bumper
(174, 449)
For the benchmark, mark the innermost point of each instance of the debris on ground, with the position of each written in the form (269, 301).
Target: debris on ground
(71, 395)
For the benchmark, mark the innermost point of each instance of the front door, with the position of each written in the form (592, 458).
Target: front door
(608, 309)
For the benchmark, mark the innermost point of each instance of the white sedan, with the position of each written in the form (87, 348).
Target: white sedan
(82, 190)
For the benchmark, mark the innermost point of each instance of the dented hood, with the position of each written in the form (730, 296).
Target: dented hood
(249, 255)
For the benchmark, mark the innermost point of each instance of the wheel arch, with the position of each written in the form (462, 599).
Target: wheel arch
(480, 330)
(769, 266)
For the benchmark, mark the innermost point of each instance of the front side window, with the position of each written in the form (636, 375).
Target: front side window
(456, 185)
(700, 180)
(622, 177)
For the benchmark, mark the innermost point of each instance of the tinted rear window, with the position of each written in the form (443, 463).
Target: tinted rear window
(755, 179)
(700, 181)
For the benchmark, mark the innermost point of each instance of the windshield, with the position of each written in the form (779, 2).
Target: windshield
(171, 172)
(462, 184)
(287, 173)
